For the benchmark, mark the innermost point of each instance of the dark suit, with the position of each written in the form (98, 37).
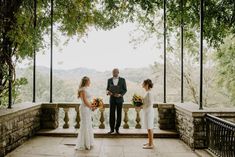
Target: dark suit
(116, 103)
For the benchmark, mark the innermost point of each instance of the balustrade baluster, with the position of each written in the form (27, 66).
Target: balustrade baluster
(77, 126)
(66, 118)
(126, 126)
(101, 126)
(138, 125)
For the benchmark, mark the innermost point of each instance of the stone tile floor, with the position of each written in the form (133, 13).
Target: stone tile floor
(40, 146)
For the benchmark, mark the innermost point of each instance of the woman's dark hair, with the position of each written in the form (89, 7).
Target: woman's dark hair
(149, 83)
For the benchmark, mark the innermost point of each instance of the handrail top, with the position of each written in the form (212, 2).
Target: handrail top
(220, 120)
(125, 103)
(106, 105)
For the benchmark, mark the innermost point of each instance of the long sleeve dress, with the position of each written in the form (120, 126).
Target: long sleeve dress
(148, 111)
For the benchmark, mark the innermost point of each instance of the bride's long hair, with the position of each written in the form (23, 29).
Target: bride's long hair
(83, 83)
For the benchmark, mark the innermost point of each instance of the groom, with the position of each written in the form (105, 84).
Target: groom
(116, 88)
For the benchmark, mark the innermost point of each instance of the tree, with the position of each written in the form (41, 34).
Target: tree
(18, 84)
(18, 37)
(225, 58)
(219, 23)
(219, 19)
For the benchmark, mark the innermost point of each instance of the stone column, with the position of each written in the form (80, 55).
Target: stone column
(49, 116)
(166, 116)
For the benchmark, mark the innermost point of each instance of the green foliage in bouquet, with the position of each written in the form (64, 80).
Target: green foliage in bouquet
(137, 100)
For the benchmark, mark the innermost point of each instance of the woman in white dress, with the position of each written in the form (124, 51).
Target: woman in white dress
(85, 137)
(148, 113)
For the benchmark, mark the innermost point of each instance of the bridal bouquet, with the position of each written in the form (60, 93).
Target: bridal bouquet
(137, 100)
(98, 102)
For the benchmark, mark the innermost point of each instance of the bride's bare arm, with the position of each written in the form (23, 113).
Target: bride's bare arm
(84, 99)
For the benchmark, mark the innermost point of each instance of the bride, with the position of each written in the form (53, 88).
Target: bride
(85, 139)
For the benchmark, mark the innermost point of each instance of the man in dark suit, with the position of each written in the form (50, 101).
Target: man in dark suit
(116, 88)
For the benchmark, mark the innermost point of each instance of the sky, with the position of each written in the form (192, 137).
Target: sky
(101, 50)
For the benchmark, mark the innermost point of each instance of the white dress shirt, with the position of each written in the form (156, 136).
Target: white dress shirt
(115, 81)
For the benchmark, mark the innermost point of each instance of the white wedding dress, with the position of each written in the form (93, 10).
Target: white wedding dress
(85, 137)
(148, 111)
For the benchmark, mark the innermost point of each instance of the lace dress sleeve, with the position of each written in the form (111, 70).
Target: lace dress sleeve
(149, 100)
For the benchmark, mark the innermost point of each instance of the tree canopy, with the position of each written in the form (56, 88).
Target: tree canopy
(18, 37)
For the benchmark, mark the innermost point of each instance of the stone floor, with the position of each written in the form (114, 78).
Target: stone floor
(40, 146)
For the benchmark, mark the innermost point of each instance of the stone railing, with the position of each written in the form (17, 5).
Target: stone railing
(220, 136)
(17, 125)
(24, 120)
(50, 118)
(166, 116)
(191, 122)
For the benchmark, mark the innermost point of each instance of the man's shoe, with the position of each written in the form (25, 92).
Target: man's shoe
(111, 132)
(117, 131)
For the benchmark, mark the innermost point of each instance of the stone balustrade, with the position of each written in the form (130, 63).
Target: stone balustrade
(24, 120)
(50, 115)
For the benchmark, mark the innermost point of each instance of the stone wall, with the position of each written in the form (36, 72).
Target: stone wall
(17, 125)
(191, 123)
(191, 129)
(166, 116)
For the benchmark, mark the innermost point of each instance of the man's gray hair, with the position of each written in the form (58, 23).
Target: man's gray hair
(115, 69)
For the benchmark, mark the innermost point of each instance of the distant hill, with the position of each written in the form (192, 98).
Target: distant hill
(70, 79)
(66, 83)
(132, 74)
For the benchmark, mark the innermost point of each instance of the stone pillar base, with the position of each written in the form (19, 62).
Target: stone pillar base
(49, 116)
(166, 116)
